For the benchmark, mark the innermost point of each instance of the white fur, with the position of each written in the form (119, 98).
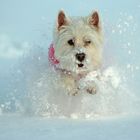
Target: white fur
(81, 30)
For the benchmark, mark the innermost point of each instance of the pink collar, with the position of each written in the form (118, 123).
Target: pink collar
(54, 61)
(51, 55)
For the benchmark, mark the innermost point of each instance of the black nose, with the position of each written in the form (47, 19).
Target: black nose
(80, 56)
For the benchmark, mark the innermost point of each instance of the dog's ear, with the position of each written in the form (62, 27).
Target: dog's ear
(62, 20)
(94, 19)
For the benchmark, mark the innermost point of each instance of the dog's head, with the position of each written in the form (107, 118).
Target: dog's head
(78, 42)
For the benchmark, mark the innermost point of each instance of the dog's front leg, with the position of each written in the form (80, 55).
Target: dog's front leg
(70, 85)
(88, 86)
(92, 90)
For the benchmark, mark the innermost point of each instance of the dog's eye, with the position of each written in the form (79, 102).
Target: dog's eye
(71, 42)
(87, 42)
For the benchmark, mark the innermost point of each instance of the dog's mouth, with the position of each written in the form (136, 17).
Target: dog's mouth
(80, 65)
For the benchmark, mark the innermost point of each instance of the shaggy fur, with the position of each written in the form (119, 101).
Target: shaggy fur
(74, 37)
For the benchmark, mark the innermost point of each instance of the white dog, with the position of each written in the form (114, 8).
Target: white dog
(77, 50)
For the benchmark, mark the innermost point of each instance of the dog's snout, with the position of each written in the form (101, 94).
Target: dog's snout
(80, 56)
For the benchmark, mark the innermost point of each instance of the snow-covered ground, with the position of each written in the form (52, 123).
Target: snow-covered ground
(26, 128)
(28, 111)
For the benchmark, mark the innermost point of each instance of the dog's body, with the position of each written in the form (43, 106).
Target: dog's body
(78, 49)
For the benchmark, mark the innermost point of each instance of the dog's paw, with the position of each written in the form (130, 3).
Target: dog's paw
(91, 90)
(73, 92)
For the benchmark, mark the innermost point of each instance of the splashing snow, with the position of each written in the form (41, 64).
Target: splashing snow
(46, 96)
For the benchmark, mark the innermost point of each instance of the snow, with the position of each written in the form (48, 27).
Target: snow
(19, 127)
(28, 111)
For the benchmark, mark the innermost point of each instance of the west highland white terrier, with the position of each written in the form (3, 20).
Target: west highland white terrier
(76, 51)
